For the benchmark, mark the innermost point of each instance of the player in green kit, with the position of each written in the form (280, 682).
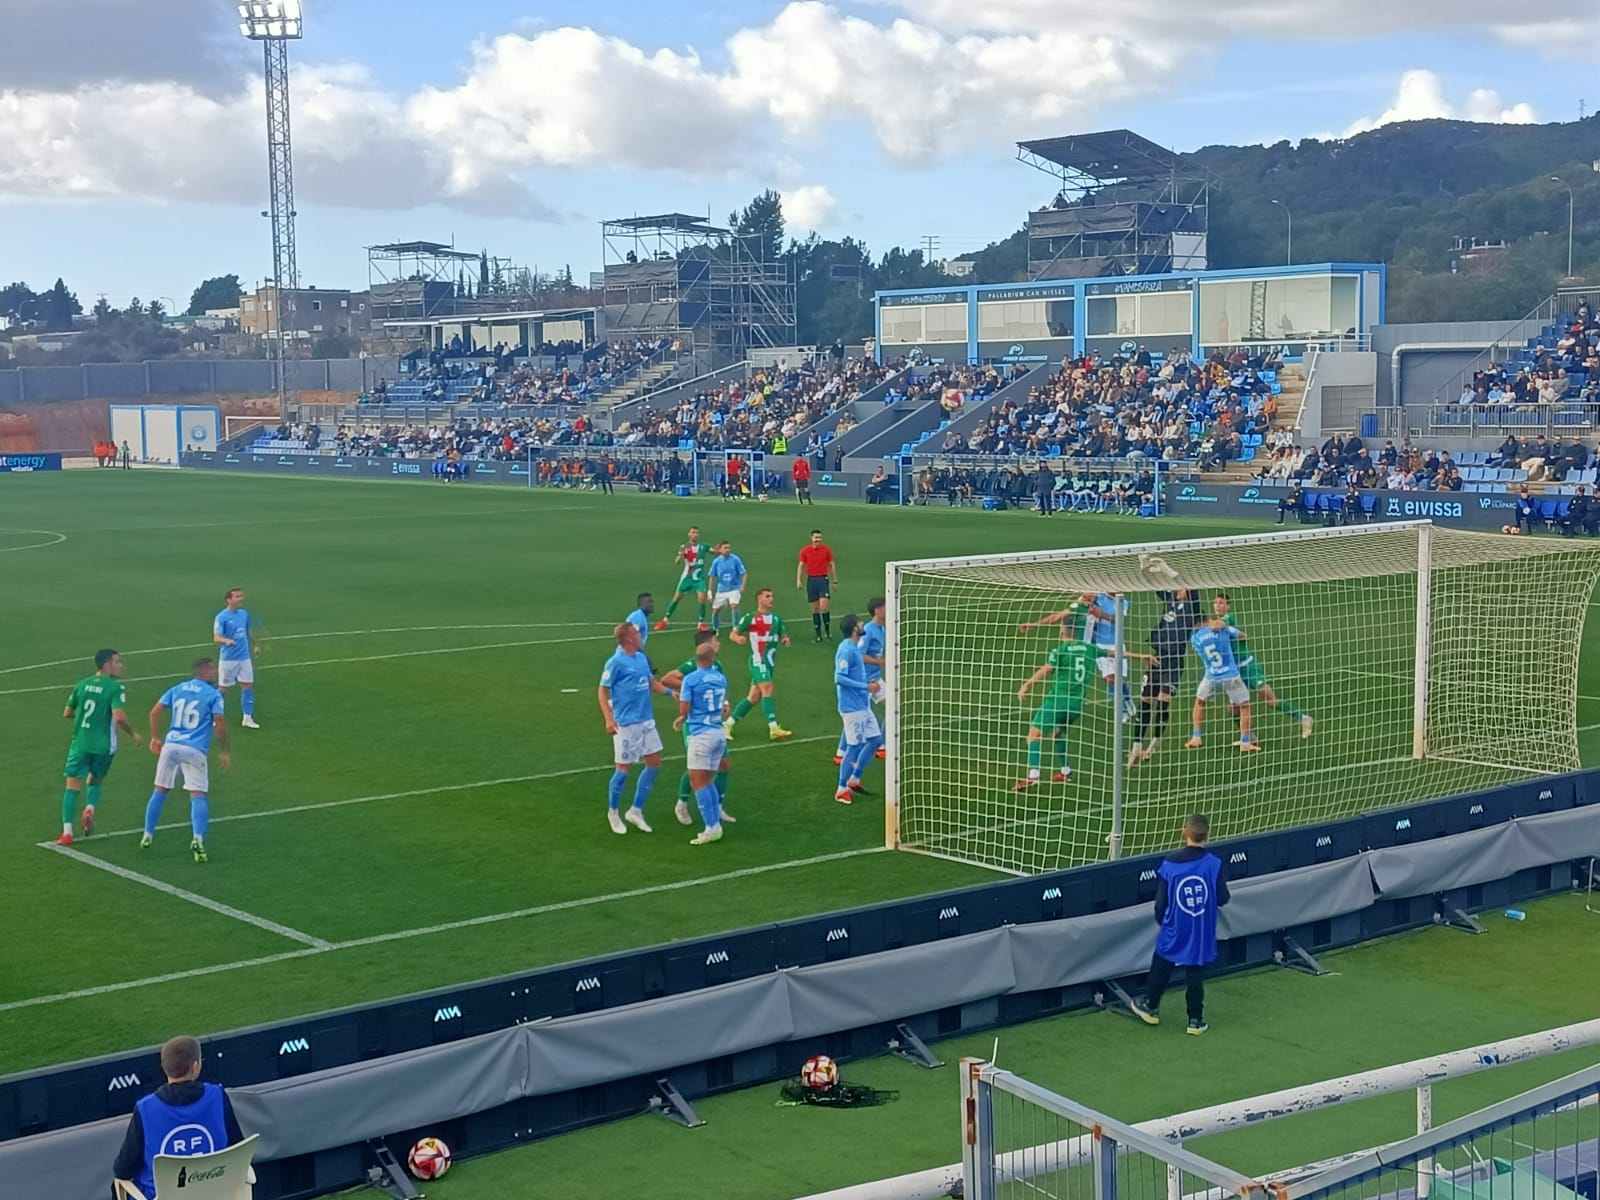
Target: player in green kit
(695, 557)
(97, 708)
(1250, 670)
(1070, 668)
(764, 631)
(672, 679)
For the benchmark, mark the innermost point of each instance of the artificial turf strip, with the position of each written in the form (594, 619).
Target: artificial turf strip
(1404, 997)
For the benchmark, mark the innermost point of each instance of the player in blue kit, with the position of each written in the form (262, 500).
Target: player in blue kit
(626, 685)
(639, 618)
(702, 708)
(195, 706)
(728, 577)
(861, 733)
(874, 643)
(1214, 642)
(234, 631)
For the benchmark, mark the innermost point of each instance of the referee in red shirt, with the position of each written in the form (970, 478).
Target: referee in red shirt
(816, 572)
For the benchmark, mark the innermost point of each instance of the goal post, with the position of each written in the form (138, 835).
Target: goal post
(1382, 664)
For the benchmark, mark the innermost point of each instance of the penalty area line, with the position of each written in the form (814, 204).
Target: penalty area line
(441, 789)
(323, 947)
(189, 897)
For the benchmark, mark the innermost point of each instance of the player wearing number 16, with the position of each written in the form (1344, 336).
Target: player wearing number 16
(195, 706)
(702, 708)
(234, 631)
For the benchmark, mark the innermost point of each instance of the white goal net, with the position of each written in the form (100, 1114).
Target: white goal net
(1384, 664)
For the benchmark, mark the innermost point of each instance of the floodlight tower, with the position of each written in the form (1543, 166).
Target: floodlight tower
(276, 23)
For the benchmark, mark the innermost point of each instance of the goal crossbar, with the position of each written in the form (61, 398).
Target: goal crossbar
(1395, 635)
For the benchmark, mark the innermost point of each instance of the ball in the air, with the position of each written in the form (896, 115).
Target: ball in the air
(429, 1158)
(1510, 529)
(819, 1073)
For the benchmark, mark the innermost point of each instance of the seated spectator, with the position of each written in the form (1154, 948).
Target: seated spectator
(1294, 503)
(1581, 517)
(1527, 509)
(182, 1118)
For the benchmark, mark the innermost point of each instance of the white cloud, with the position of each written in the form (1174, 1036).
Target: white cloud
(1421, 97)
(808, 208)
(928, 78)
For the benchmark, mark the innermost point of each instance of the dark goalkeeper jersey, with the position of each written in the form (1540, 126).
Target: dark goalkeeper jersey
(1169, 640)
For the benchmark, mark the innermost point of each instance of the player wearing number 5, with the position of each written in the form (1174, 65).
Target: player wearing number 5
(1214, 642)
(195, 706)
(235, 632)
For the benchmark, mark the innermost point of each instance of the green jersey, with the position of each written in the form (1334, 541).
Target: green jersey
(1241, 651)
(92, 702)
(1072, 667)
(689, 664)
(765, 631)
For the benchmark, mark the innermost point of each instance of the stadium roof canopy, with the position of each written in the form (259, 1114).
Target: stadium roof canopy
(432, 249)
(662, 222)
(1111, 155)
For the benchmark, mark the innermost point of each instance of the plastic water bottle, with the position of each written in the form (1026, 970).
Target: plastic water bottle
(1516, 914)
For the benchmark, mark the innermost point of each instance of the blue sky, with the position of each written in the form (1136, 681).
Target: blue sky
(134, 162)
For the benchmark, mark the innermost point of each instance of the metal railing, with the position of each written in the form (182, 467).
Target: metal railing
(1562, 302)
(1562, 418)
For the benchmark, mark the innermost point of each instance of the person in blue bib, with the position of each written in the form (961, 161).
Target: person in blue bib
(1191, 888)
(182, 1118)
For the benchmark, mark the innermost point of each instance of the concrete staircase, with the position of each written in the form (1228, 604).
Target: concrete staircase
(1290, 401)
(637, 385)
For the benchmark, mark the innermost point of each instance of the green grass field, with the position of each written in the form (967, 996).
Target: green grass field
(1405, 997)
(424, 803)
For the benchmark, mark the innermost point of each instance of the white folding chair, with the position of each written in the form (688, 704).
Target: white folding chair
(225, 1175)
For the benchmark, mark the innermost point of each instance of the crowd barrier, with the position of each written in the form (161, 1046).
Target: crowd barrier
(499, 1062)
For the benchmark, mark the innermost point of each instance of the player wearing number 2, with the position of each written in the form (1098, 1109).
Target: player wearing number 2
(1214, 642)
(96, 709)
(235, 632)
(195, 706)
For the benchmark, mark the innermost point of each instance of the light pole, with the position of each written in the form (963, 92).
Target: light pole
(1572, 206)
(276, 23)
(1288, 250)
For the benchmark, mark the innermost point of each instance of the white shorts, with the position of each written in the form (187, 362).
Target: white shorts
(1232, 687)
(235, 670)
(1107, 666)
(632, 743)
(726, 599)
(176, 757)
(860, 727)
(707, 750)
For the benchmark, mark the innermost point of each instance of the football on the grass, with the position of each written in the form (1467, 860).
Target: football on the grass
(819, 1073)
(429, 1158)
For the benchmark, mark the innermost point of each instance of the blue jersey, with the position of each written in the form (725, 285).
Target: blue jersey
(181, 1132)
(192, 704)
(874, 639)
(235, 625)
(1102, 631)
(1190, 891)
(850, 678)
(706, 690)
(728, 572)
(627, 678)
(1215, 648)
(640, 621)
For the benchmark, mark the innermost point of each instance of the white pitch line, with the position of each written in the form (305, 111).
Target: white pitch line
(300, 637)
(359, 658)
(404, 934)
(429, 791)
(59, 538)
(215, 906)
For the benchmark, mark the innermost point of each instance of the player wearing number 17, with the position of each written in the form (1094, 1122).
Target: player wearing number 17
(195, 706)
(96, 709)
(1214, 642)
(702, 708)
(234, 631)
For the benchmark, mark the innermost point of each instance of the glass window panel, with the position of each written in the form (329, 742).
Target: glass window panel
(1346, 303)
(1165, 313)
(901, 325)
(945, 322)
(1110, 315)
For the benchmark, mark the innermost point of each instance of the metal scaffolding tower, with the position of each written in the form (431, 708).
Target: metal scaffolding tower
(275, 25)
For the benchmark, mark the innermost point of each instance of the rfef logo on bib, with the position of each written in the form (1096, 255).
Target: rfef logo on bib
(1192, 895)
(186, 1141)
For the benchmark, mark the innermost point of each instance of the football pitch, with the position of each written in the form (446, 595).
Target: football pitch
(423, 804)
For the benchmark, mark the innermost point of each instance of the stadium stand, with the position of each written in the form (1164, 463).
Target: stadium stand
(451, 377)
(1559, 366)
